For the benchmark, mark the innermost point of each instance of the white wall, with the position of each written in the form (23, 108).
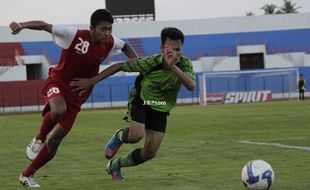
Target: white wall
(20, 72)
(271, 61)
(307, 59)
(251, 49)
(204, 64)
(228, 64)
(276, 61)
(298, 59)
(15, 73)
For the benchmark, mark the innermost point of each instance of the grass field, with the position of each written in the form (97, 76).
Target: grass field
(201, 149)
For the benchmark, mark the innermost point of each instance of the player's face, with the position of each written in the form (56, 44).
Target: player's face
(176, 45)
(101, 32)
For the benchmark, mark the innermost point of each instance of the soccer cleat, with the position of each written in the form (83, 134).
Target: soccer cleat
(28, 181)
(115, 173)
(113, 145)
(34, 148)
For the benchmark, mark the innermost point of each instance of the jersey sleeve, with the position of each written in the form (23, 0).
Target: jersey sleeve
(117, 47)
(63, 35)
(141, 64)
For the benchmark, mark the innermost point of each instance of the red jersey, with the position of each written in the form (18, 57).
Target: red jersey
(80, 57)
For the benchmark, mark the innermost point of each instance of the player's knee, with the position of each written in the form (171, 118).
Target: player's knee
(58, 112)
(52, 145)
(135, 136)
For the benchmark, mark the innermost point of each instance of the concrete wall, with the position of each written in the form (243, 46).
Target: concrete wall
(16, 73)
(19, 73)
(226, 63)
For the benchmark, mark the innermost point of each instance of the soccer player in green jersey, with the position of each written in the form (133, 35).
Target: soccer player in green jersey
(151, 99)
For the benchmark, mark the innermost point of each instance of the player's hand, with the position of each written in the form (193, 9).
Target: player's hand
(15, 27)
(170, 56)
(80, 84)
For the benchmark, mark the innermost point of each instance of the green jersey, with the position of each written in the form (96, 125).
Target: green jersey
(158, 87)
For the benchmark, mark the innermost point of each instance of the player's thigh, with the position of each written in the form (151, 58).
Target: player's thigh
(58, 104)
(153, 140)
(54, 97)
(156, 120)
(155, 127)
(137, 122)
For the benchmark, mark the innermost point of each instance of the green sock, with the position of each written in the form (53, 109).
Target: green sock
(124, 161)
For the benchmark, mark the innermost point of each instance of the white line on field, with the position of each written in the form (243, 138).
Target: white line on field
(277, 145)
(281, 139)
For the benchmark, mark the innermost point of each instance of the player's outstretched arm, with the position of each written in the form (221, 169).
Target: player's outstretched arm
(129, 51)
(83, 84)
(16, 27)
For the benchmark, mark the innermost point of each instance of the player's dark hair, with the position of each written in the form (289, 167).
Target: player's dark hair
(171, 33)
(101, 15)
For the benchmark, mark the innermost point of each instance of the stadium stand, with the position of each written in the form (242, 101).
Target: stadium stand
(212, 44)
(137, 45)
(196, 46)
(8, 53)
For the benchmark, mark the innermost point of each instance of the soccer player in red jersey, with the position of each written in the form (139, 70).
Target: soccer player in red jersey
(82, 53)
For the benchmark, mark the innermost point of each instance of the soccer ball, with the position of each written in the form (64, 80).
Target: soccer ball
(257, 175)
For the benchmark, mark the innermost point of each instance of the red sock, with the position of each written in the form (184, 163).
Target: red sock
(46, 126)
(43, 157)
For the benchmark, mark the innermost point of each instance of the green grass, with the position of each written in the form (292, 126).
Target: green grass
(201, 149)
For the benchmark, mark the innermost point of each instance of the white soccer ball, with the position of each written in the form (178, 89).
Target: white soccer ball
(257, 175)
